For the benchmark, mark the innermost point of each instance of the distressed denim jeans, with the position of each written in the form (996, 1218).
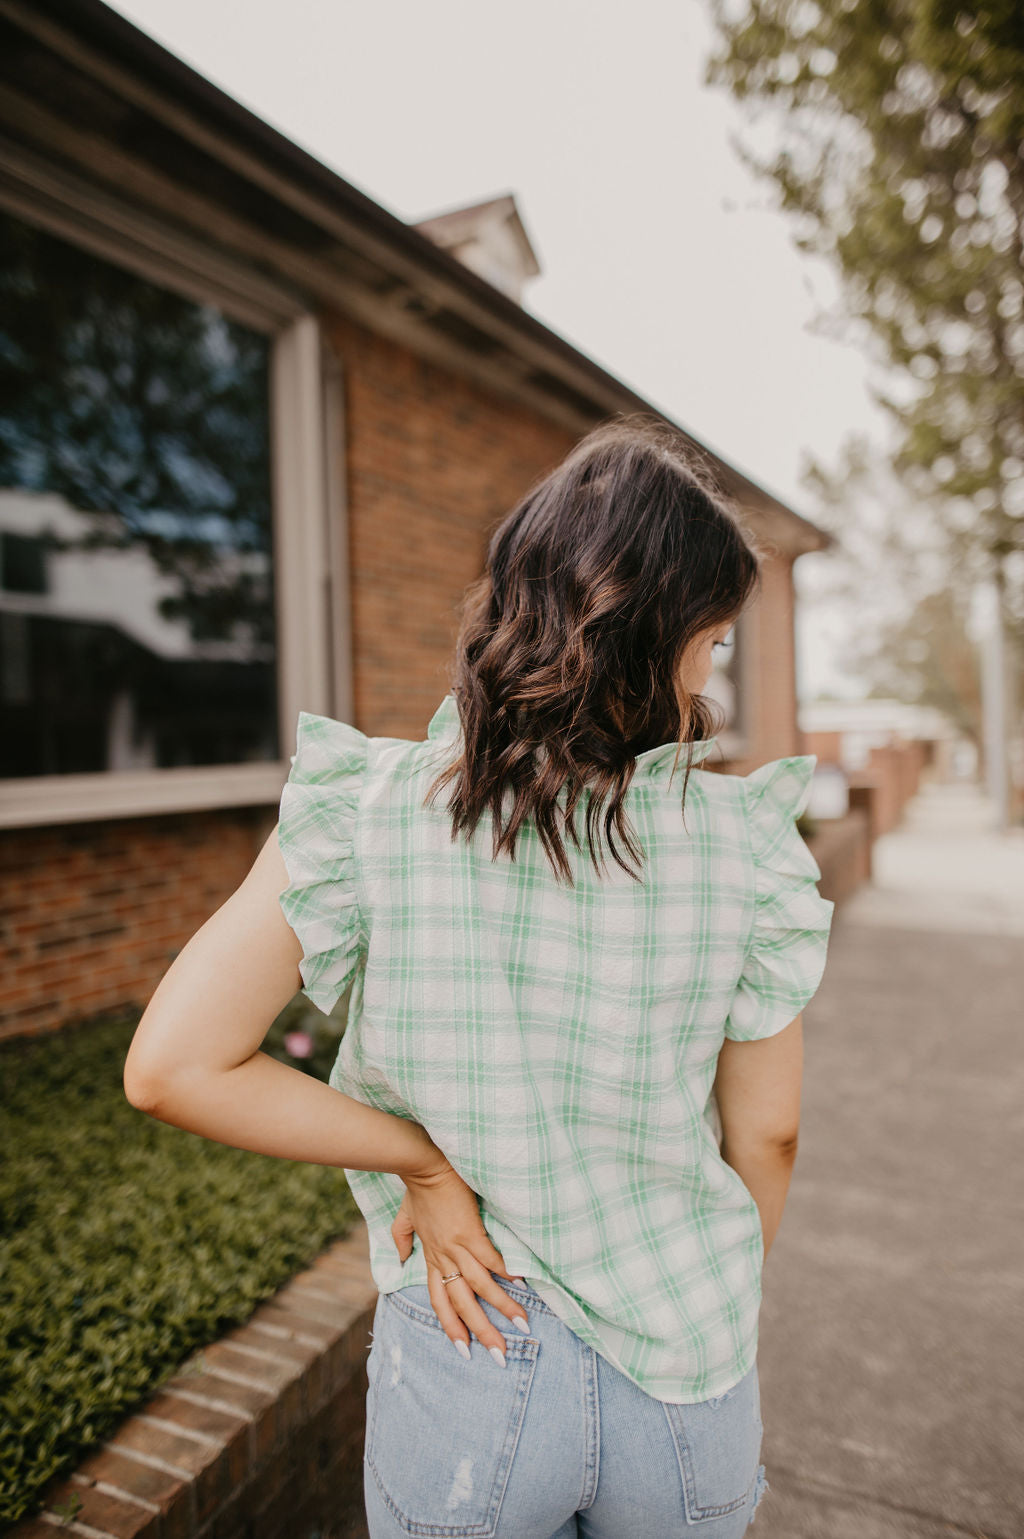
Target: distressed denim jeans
(558, 1443)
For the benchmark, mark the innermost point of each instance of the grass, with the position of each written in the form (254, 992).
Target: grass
(125, 1244)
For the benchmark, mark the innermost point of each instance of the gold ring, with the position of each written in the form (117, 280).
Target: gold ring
(451, 1277)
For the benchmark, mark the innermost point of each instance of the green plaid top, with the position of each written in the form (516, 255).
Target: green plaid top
(559, 1045)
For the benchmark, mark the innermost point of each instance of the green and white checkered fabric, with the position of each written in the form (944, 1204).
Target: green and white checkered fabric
(559, 1044)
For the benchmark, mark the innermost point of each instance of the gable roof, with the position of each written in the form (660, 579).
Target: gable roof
(82, 87)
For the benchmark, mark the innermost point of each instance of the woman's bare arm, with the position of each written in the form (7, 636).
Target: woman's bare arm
(757, 1087)
(194, 1060)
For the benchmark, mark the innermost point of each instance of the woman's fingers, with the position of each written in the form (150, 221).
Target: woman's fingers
(402, 1233)
(445, 1310)
(463, 1300)
(478, 1276)
(488, 1254)
(458, 1310)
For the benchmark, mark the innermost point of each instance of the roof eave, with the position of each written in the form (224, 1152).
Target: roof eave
(580, 390)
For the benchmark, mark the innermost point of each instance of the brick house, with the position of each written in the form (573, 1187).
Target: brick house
(254, 435)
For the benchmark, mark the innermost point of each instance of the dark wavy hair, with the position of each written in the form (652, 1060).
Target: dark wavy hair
(571, 640)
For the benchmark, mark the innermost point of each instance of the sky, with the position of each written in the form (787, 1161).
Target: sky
(663, 258)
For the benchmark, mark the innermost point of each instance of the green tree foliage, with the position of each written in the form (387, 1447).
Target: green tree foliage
(910, 631)
(898, 145)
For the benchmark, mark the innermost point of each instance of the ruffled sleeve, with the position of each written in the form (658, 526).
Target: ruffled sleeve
(789, 940)
(316, 835)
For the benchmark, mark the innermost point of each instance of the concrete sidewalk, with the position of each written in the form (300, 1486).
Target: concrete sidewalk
(892, 1327)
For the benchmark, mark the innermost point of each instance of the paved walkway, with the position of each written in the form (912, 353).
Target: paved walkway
(892, 1328)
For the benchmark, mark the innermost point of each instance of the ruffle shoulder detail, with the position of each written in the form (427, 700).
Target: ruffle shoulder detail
(316, 834)
(789, 938)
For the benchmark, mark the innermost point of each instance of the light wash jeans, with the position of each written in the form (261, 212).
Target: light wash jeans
(558, 1443)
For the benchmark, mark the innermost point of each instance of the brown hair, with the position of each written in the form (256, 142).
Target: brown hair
(571, 640)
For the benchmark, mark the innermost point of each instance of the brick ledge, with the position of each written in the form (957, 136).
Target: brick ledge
(257, 1436)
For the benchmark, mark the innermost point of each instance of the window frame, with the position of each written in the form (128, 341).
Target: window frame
(306, 495)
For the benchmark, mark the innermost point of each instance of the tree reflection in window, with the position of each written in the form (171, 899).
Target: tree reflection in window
(135, 491)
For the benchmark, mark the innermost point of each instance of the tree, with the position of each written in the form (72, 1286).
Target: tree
(900, 150)
(907, 611)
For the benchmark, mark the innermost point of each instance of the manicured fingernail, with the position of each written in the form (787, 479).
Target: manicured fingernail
(521, 1323)
(520, 1280)
(463, 1347)
(497, 1354)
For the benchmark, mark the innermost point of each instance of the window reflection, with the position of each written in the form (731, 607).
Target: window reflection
(136, 557)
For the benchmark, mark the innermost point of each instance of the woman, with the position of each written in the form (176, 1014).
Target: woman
(543, 1032)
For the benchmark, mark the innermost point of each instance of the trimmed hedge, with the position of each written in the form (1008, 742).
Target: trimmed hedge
(127, 1243)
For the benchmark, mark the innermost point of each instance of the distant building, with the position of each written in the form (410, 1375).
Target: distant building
(844, 732)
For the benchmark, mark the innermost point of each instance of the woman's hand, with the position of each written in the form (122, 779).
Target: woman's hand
(445, 1213)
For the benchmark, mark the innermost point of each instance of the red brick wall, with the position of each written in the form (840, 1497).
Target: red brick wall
(893, 771)
(92, 914)
(842, 847)
(434, 463)
(827, 746)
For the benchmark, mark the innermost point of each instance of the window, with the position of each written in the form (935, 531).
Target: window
(166, 566)
(135, 465)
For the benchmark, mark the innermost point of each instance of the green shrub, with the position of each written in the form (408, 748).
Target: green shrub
(127, 1243)
(806, 825)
